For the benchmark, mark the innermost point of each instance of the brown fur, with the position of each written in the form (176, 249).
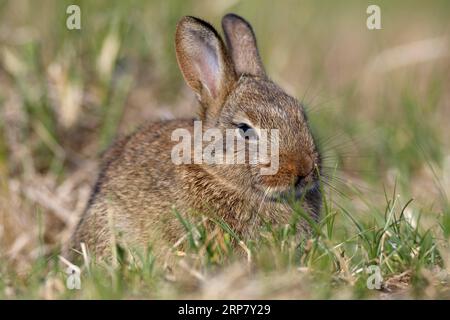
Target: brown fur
(139, 187)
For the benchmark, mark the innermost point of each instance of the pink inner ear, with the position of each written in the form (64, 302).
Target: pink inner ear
(207, 66)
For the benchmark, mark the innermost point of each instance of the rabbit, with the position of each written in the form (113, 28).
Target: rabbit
(139, 187)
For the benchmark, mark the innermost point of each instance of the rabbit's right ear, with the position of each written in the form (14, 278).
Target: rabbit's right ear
(204, 62)
(241, 42)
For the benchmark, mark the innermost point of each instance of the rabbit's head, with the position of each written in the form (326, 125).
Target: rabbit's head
(234, 92)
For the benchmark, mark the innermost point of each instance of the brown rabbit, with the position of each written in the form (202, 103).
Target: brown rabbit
(139, 186)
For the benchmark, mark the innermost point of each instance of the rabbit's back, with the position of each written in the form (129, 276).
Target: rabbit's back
(135, 193)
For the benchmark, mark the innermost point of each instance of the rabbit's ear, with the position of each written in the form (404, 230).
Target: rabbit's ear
(204, 62)
(241, 42)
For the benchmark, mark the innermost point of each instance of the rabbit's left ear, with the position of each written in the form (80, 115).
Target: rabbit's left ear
(204, 62)
(241, 42)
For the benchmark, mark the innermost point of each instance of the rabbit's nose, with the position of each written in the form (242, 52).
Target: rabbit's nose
(305, 168)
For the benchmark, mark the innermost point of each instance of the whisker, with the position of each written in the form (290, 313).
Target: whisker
(334, 189)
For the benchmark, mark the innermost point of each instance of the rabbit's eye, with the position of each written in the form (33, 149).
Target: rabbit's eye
(244, 127)
(247, 132)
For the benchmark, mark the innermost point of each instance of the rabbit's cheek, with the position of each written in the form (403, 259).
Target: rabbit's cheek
(281, 181)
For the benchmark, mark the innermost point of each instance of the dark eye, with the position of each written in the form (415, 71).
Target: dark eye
(246, 131)
(244, 127)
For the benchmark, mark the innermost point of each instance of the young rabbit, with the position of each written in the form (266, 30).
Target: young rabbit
(139, 187)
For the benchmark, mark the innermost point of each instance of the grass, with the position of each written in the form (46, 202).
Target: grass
(65, 95)
(327, 263)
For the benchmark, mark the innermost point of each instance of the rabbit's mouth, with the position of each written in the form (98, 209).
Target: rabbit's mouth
(291, 194)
